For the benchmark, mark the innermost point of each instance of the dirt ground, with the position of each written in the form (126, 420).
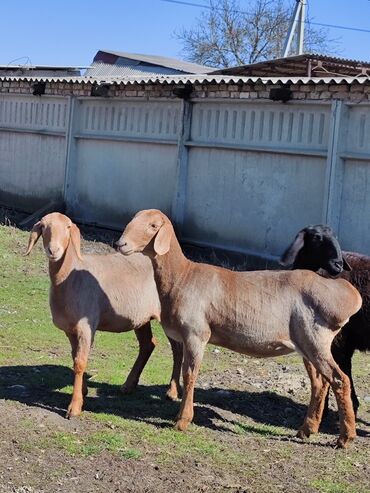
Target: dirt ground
(242, 440)
(29, 464)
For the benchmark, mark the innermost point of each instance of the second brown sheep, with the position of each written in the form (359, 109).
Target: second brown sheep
(99, 292)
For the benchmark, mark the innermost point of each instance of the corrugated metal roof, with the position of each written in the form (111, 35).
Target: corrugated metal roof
(191, 79)
(99, 69)
(173, 63)
(338, 59)
(307, 64)
(43, 70)
(40, 67)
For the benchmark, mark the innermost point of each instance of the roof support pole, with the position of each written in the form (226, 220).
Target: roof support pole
(299, 15)
(302, 20)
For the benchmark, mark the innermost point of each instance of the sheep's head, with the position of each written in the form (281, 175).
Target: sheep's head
(314, 248)
(57, 231)
(150, 232)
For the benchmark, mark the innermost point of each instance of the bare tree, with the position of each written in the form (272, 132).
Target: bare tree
(226, 35)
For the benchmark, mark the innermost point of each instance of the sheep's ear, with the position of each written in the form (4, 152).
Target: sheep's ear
(346, 265)
(291, 252)
(34, 236)
(76, 240)
(162, 240)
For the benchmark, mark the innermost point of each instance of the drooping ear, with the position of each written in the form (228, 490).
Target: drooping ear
(76, 240)
(162, 240)
(34, 236)
(346, 265)
(291, 252)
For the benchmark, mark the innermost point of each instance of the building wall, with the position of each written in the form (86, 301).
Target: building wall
(232, 168)
(354, 92)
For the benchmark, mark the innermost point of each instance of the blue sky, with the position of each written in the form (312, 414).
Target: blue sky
(71, 32)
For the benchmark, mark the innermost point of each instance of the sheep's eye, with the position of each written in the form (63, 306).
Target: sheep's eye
(154, 226)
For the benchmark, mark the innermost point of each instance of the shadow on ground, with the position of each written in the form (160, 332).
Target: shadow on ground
(39, 386)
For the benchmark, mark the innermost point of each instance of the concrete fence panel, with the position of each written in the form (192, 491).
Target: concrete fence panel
(354, 225)
(32, 150)
(256, 173)
(123, 159)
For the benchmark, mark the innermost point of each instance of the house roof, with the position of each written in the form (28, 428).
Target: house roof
(113, 57)
(99, 69)
(190, 79)
(39, 70)
(306, 65)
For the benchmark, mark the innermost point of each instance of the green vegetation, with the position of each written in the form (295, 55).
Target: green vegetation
(327, 486)
(94, 443)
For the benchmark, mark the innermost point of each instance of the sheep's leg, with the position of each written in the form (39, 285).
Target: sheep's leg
(147, 344)
(355, 402)
(319, 390)
(341, 386)
(193, 355)
(339, 382)
(81, 341)
(344, 360)
(174, 390)
(326, 406)
(343, 357)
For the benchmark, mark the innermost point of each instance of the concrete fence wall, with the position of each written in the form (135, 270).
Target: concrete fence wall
(32, 149)
(241, 174)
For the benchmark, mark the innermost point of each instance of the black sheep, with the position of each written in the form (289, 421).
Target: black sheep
(315, 248)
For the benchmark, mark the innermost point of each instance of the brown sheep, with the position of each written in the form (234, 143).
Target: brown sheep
(99, 292)
(260, 313)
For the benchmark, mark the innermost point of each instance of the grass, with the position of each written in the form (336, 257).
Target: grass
(261, 430)
(327, 486)
(36, 355)
(95, 443)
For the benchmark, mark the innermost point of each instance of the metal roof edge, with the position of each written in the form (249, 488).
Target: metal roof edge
(293, 58)
(159, 60)
(188, 79)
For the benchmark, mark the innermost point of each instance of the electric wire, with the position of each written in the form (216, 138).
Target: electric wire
(320, 24)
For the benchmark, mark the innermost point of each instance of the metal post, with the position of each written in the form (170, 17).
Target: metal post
(293, 26)
(302, 20)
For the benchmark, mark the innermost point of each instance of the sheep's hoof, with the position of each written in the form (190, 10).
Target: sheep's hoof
(303, 434)
(73, 412)
(173, 394)
(182, 424)
(343, 442)
(128, 388)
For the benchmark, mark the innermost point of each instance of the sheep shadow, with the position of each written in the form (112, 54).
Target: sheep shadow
(218, 409)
